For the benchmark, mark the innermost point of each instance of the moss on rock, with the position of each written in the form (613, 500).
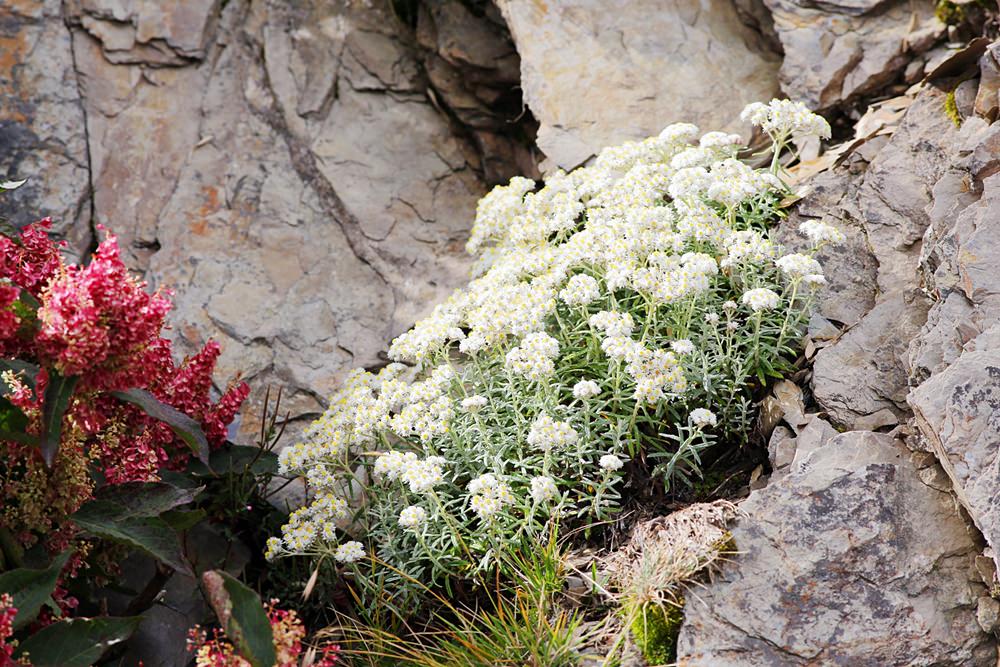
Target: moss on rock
(655, 628)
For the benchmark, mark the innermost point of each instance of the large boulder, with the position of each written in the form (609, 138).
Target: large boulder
(846, 558)
(596, 73)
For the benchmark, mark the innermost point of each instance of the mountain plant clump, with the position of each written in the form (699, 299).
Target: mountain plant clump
(619, 319)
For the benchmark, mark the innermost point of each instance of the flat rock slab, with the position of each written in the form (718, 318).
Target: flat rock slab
(596, 73)
(848, 559)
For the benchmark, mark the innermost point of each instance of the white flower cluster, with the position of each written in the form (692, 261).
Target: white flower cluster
(535, 357)
(547, 433)
(761, 298)
(489, 495)
(585, 389)
(543, 489)
(421, 475)
(647, 279)
(784, 117)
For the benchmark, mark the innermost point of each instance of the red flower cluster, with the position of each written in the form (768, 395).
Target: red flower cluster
(288, 634)
(7, 613)
(98, 323)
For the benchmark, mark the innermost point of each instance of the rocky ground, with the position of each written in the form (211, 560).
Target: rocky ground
(304, 176)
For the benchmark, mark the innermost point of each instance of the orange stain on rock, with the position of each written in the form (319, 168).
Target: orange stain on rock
(211, 206)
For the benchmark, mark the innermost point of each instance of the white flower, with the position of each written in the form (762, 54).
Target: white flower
(474, 403)
(349, 552)
(580, 290)
(610, 462)
(585, 389)
(797, 266)
(422, 476)
(543, 489)
(612, 323)
(702, 417)
(730, 305)
(547, 433)
(683, 346)
(785, 117)
(679, 133)
(392, 464)
(273, 548)
(820, 232)
(712, 318)
(720, 140)
(814, 279)
(489, 495)
(760, 299)
(412, 517)
(534, 357)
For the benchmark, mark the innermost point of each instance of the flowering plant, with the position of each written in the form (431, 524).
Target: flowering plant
(83, 361)
(91, 400)
(621, 315)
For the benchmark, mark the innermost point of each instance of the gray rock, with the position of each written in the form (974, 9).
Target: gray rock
(867, 370)
(958, 412)
(988, 614)
(837, 51)
(850, 267)
(897, 193)
(847, 559)
(42, 134)
(596, 73)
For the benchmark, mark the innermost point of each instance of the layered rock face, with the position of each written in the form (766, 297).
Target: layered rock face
(858, 551)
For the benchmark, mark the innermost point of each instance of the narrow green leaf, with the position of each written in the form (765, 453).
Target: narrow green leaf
(77, 642)
(186, 428)
(31, 588)
(57, 397)
(243, 617)
(151, 535)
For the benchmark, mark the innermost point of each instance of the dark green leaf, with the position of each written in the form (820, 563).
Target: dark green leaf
(181, 480)
(144, 499)
(30, 304)
(186, 428)
(14, 423)
(11, 232)
(77, 642)
(181, 520)
(243, 617)
(236, 459)
(31, 588)
(57, 397)
(151, 534)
